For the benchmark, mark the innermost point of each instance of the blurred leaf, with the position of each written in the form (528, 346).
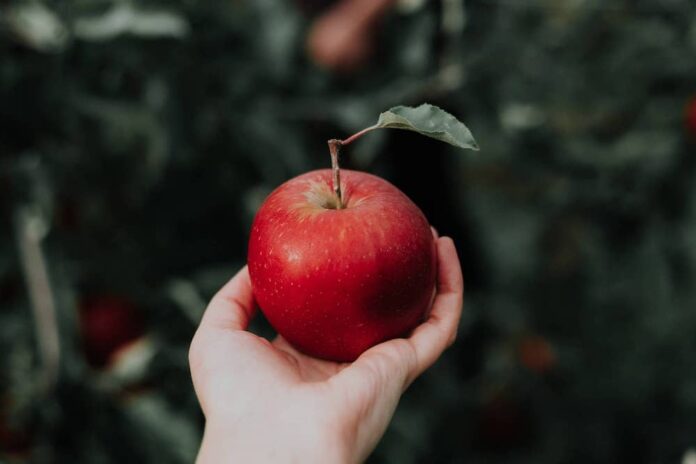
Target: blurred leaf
(279, 36)
(37, 26)
(430, 121)
(171, 437)
(125, 18)
(187, 297)
(132, 362)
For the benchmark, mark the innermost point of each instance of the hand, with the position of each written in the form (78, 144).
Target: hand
(343, 38)
(266, 402)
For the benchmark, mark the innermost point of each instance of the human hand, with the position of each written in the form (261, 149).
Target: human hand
(343, 38)
(266, 402)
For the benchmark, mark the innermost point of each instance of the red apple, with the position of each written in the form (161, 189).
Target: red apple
(690, 117)
(15, 443)
(338, 267)
(16, 436)
(108, 323)
(335, 281)
(536, 354)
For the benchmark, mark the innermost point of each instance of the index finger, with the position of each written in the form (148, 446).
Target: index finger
(439, 331)
(233, 306)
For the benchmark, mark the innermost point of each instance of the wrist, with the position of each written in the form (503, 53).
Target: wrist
(243, 441)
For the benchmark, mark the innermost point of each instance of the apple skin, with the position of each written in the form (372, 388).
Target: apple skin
(334, 282)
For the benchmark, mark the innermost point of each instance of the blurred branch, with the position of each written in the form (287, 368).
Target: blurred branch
(30, 230)
(188, 299)
(125, 18)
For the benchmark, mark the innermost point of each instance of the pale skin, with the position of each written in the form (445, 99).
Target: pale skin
(265, 402)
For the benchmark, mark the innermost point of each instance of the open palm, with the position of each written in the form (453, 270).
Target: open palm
(251, 389)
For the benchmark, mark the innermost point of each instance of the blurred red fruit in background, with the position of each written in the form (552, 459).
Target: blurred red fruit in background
(15, 439)
(690, 117)
(536, 354)
(107, 324)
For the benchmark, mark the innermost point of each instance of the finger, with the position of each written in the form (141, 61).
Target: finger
(394, 364)
(230, 309)
(379, 374)
(439, 331)
(281, 343)
(233, 306)
(435, 234)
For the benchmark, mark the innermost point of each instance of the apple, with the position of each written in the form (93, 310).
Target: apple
(342, 260)
(334, 282)
(107, 324)
(690, 117)
(536, 354)
(15, 443)
(16, 435)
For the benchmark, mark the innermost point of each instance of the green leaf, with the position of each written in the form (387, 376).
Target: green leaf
(430, 121)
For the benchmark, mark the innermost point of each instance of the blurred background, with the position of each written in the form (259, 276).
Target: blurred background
(137, 140)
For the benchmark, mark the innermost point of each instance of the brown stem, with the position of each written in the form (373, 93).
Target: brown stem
(357, 135)
(334, 148)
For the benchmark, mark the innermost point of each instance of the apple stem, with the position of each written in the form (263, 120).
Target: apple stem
(335, 148)
(357, 135)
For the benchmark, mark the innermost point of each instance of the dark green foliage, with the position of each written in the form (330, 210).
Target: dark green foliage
(137, 156)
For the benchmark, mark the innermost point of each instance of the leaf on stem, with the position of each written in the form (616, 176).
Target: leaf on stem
(430, 121)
